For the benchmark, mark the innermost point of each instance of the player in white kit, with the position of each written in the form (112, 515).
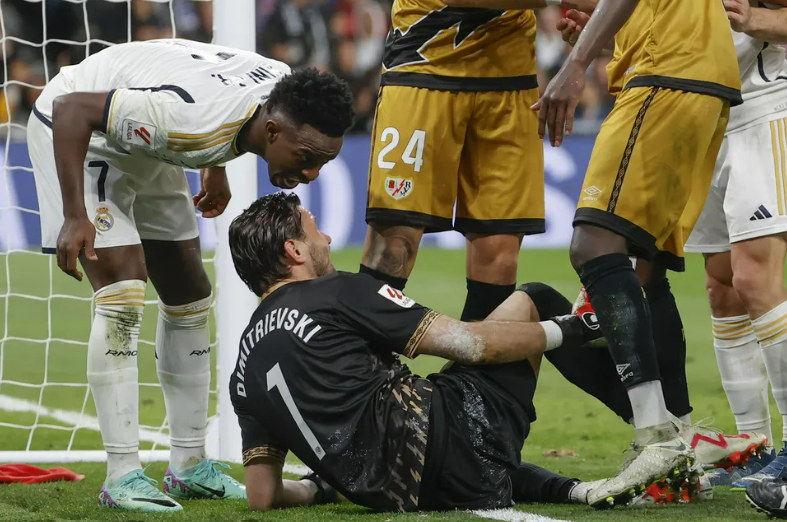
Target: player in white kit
(742, 232)
(108, 140)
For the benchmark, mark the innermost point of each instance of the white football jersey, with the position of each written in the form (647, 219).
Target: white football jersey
(763, 69)
(178, 101)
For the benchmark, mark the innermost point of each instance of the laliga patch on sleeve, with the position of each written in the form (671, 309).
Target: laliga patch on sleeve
(141, 134)
(395, 296)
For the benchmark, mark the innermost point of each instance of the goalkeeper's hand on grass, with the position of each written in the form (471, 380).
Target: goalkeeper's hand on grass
(325, 493)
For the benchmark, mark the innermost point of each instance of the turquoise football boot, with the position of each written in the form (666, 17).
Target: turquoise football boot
(136, 492)
(204, 480)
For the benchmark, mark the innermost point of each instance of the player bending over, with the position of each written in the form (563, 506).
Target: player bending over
(108, 140)
(319, 374)
(675, 76)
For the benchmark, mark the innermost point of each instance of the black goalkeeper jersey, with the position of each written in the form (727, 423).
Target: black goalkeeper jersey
(318, 374)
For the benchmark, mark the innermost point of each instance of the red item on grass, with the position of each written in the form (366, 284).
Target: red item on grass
(27, 474)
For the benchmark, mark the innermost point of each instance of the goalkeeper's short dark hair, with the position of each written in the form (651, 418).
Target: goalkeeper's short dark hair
(257, 238)
(319, 99)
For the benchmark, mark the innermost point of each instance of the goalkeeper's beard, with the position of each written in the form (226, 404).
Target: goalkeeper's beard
(321, 259)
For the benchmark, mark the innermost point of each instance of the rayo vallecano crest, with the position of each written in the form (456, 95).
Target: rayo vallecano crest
(398, 188)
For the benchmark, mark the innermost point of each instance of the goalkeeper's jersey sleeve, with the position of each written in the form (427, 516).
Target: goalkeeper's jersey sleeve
(318, 375)
(177, 101)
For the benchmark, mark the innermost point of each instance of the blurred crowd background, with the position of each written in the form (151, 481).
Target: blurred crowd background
(344, 36)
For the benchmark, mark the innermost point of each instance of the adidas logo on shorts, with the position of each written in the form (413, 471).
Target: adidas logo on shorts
(760, 213)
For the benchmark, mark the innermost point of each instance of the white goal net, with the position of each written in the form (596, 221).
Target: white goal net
(46, 411)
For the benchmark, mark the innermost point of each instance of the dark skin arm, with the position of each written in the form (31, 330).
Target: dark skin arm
(556, 107)
(214, 194)
(74, 118)
(572, 25)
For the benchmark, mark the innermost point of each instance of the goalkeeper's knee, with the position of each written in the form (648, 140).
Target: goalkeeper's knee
(549, 302)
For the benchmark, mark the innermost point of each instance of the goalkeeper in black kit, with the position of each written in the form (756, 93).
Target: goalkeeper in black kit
(319, 375)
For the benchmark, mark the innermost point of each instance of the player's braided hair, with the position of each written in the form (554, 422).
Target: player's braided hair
(257, 238)
(319, 99)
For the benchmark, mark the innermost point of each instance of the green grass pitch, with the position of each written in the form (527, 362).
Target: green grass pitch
(567, 418)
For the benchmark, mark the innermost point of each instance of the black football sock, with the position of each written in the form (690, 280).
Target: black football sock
(393, 281)
(531, 483)
(670, 346)
(483, 298)
(624, 316)
(590, 369)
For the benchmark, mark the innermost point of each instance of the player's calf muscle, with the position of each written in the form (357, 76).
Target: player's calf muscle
(391, 249)
(722, 297)
(757, 267)
(759, 290)
(493, 258)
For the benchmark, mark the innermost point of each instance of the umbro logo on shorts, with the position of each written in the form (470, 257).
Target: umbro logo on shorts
(760, 213)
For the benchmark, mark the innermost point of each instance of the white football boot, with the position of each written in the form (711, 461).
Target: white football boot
(695, 487)
(646, 465)
(716, 449)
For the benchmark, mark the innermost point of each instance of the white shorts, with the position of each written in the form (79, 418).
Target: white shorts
(748, 195)
(127, 197)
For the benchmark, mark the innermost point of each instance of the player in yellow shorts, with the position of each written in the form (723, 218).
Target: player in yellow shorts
(675, 75)
(454, 129)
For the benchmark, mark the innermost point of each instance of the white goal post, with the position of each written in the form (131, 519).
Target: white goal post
(45, 404)
(233, 26)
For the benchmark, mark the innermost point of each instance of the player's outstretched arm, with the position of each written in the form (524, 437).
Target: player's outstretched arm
(497, 342)
(266, 489)
(556, 107)
(761, 23)
(485, 342)
(74, 118)
(586, 6)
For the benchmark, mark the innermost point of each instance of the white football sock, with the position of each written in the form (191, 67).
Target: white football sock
(771, 330)
(650, 412)
(112, 372)
(183, 365)
(685, 419)
(743, 373)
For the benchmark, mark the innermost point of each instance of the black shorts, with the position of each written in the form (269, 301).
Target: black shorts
(480, 417)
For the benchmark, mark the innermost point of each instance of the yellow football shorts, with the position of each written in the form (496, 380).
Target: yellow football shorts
(480, 151)
(651, 168)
